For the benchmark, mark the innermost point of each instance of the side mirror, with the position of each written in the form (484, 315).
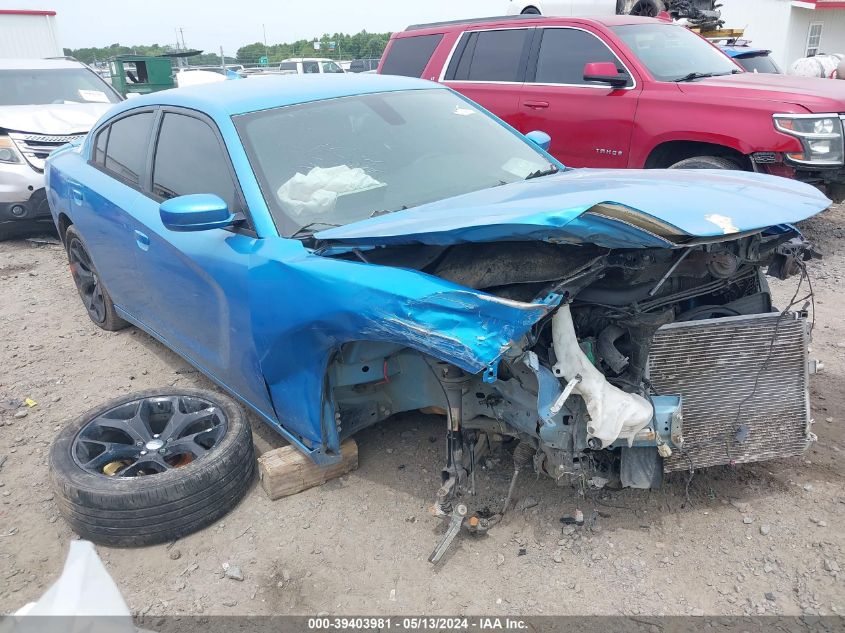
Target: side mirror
(196, 212)
(541, 139)
(606, 73)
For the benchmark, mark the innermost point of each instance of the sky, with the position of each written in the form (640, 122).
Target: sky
(210, 24)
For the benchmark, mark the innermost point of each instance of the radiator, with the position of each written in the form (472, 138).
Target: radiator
(745, 395)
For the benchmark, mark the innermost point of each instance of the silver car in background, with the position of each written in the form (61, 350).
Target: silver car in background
(44, 103)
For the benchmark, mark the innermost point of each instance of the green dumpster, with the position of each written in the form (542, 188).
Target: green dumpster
(141, 74)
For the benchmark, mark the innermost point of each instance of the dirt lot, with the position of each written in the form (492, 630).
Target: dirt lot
(765, 538)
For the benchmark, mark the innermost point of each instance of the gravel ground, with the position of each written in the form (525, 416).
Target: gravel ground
(755, 539)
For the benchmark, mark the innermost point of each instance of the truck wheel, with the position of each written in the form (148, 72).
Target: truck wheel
(706, 162)
(152, 466)
(92, 291)
(647, 8)
(531, 11)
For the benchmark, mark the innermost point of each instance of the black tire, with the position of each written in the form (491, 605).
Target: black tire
(531, 11)
(144, 510)
(706, 162)
(647, 8)
(105, 317)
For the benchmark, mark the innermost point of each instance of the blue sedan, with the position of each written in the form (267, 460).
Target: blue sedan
(335, 250)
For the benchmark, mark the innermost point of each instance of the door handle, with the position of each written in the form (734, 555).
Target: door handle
(77, 196)
(142, 240)
(536, 104)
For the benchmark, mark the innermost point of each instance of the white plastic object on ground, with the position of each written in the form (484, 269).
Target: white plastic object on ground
(84, 590)
(317, 192)
(613, 413)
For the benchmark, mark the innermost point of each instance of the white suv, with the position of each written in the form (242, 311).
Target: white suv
(309, 65)
(44, 103)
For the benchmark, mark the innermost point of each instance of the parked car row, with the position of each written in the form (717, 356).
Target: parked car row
(617, 91)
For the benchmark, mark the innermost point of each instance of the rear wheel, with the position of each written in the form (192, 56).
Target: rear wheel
(531, 11)
(92, 291)
(706, 162)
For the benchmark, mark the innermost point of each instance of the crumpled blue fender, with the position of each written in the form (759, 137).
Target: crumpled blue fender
(305, 306)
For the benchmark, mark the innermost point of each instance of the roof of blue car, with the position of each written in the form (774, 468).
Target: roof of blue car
(239, 96)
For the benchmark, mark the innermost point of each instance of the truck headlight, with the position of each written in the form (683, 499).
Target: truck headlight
(821, 138)
(8, 151)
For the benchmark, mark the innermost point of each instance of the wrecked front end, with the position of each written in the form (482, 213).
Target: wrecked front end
(648, 360)
(625, 344)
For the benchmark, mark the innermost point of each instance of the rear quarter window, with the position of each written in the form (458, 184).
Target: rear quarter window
(490, 56)
(126, 150)
(408, 56)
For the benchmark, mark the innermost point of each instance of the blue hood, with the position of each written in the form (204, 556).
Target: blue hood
(685, 204)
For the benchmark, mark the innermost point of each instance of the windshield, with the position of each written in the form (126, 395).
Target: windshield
(673, 53)
(42, 87)
(342, 160)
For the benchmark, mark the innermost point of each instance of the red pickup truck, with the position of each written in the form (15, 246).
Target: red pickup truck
(624, 91)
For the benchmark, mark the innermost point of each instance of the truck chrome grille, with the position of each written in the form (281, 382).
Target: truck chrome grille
(745, 397)
(37, 147)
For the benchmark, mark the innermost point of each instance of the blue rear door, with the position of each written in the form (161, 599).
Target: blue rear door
(102, 207)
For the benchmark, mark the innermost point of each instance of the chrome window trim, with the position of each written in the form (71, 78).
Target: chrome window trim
(610, 50)
(442, 78)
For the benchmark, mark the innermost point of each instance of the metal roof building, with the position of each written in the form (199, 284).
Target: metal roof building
(28, 34)
(790, 28)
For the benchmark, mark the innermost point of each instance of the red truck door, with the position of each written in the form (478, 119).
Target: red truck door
(590, 124)
(489, 67)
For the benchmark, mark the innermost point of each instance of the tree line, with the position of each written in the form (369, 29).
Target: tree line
(333, 46)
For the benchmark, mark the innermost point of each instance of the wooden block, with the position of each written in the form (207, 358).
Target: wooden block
(286, 471)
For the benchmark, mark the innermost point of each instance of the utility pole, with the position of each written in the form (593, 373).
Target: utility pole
(266, 54)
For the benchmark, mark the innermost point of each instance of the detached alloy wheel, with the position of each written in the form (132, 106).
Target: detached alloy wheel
(93, 293)
(152, 466)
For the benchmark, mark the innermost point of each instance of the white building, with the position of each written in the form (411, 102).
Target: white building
(791, 29)
(28, 34)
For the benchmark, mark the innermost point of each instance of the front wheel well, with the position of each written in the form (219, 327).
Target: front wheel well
(667, 154)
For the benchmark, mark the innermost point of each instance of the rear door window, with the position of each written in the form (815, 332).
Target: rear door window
(564, 52)
(126, 150)
(310, 67)
(100, 147)
(408, 56)
(190, 159)
(491, 56)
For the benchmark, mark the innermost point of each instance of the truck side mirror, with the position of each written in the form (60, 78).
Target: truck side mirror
(606, 73)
